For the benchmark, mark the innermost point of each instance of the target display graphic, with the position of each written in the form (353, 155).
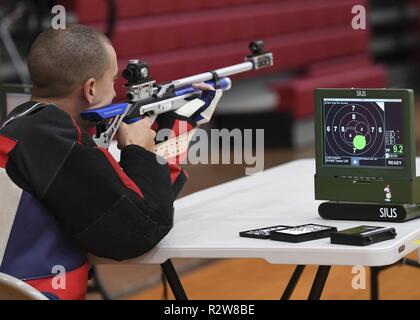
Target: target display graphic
(363, 132)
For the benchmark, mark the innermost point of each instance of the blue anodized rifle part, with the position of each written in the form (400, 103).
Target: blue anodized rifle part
(106, 112)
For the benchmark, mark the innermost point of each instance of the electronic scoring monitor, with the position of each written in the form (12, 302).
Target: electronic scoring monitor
(365, 146)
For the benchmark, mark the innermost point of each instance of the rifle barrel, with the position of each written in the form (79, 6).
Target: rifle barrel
(206, 76)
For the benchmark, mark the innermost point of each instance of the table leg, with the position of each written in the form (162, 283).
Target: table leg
(293, 282)
(319, 282)
(374, 285)
(173, 280)
(97, 285)
(410, 262)
(374, 278)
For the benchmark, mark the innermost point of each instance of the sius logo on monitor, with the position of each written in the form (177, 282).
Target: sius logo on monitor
(388, 213)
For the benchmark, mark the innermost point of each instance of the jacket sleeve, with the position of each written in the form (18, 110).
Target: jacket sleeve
(111, 210)
(172, 121)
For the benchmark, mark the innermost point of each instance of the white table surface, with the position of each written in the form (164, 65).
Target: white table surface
(207, 224)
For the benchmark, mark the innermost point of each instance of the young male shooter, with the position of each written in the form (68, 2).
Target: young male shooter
(62, 195)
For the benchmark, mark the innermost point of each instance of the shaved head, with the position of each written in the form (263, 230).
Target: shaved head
(61, 60)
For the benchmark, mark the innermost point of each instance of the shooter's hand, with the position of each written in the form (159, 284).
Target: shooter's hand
(210, 97)
(138, 133)
(202, 86)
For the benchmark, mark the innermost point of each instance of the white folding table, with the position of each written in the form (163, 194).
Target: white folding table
(208, 222)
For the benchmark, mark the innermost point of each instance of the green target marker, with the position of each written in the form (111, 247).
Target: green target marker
(359, 142)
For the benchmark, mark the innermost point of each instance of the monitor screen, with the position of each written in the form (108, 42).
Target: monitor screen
(363, 133)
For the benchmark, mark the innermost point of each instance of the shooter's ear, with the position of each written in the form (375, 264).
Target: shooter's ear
(89, 90)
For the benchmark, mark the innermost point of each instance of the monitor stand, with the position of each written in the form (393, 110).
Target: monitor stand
(368, 211)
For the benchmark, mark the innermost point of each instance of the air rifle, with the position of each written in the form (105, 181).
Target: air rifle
(147, 98)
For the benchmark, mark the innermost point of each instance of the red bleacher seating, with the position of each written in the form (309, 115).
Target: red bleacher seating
(164, 33)
(183, 37)
(339, 65)
(290, 51)
(96, 10)
(297, 96)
